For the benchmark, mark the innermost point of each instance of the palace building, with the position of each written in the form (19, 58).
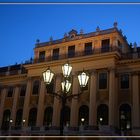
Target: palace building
(108, 105)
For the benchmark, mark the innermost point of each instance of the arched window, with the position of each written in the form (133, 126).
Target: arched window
(83, 115)
(102, 114)
(36, 87)
(125, 117)
(6, 120)
(32, 117)
(48, 116)
(66, 116)
(19, 117)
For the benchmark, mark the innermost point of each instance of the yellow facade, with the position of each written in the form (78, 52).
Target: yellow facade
(110, 102)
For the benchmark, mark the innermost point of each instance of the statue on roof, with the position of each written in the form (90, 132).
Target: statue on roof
(51, 39)
(97, 29)
(115, 24)
(81, 31)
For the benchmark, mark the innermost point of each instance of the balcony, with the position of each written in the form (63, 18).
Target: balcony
(77, 54)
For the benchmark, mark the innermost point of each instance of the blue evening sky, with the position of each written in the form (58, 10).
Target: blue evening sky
(22, 24)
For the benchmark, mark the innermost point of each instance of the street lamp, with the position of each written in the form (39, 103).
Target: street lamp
(11, 121)
(82, 121)
(66, 86)
(23, 129)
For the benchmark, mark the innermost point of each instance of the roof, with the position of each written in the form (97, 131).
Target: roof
(78, 36)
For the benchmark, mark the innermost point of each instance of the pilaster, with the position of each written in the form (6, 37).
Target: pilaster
(27, 102)
(40, 108)
(135, 99)
(112, 97)
(14, 107)
(57, 103)
(74, 104)
(92, 103)
(3, 95)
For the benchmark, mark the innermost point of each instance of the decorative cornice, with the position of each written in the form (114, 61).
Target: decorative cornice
(133, 73)
(129, 61)
(13, 77)
(78, 36)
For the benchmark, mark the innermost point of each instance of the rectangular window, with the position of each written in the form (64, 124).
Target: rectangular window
(23, 90)
(125, 81)
(71, 51)
(50, 87)
(88, 48)
(103, 80)
(41, 56)
(35, 87)
(10, 92)
(119, 44)
(105, 45)
(55, 54)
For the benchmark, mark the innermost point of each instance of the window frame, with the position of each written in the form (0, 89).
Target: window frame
(56, 56)
(71, 52)
(128, 81)
(105, 48)
(42, 57)
(25, 87)
(86, 51)
(99, 80)
(38, 88)
(9, 88)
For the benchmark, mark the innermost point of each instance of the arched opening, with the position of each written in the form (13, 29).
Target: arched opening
(32, 117)
(48, 116)
(19, 117)
(83, 115)
(102, 114)
(125, 117)
(66, 117)
(6, 120)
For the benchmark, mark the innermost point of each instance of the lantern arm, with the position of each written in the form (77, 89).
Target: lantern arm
(74, 95)
(56, 95)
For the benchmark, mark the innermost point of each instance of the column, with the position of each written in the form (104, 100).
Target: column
(27, 102)
(40, 109)
(56, 105)
(74, 104)
(92, 103)
(136, 104)
(112, 97)
(116, 121)
(14, 107)
(3, 95)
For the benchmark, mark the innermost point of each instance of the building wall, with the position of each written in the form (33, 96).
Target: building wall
(113, 96)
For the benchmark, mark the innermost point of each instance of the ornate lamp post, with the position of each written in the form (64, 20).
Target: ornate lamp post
(66, 86)
(11, 121)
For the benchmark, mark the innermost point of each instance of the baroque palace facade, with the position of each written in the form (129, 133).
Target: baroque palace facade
(110, 102)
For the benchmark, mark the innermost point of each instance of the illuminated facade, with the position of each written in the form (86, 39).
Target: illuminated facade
(110, 102)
